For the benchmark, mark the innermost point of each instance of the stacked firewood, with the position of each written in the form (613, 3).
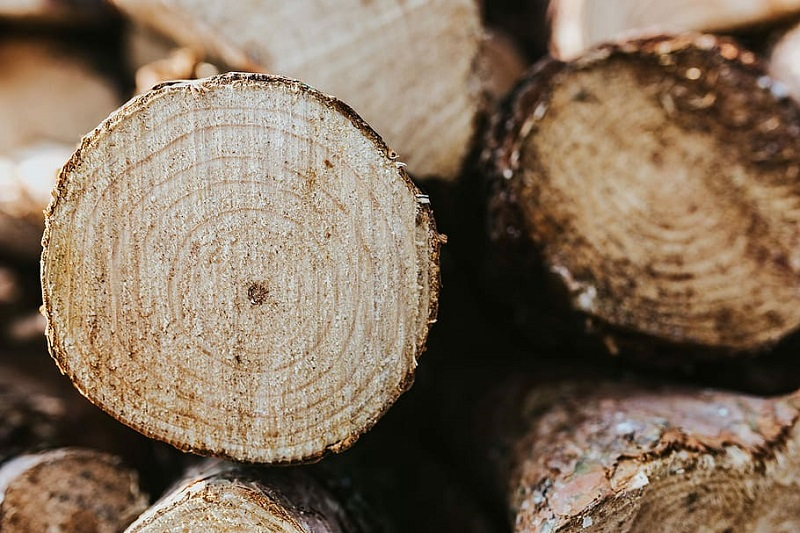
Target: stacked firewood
(215, 297)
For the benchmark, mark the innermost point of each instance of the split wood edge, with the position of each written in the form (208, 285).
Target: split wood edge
(143, 386)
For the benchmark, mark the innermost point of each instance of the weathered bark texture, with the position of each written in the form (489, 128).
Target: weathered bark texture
(409, 68)
(615, 456)
(68, 490)
(655, 186)
(784, 62)
(578, 25)
(48, 100)
(226, 497)
(254, 278)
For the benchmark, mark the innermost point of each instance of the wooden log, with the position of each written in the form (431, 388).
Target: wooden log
(254, 278)
(48, 100)
(221, 496)
(578, 25)
(783, 62)
(49, 95)
(654, 186)
(370, 54)
(27, 175)
(68, 490)
(597, 455)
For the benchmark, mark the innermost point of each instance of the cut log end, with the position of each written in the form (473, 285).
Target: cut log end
(228, 498)
(605, 457)
(659, 180)
(68, 490)
(252, 279)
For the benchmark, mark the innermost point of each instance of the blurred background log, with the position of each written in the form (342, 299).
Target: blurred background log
(68, 490)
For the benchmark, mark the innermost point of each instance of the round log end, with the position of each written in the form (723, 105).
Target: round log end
(658, 180)
(68, 490)
(240, 267)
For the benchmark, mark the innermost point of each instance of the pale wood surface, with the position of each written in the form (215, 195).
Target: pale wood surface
(225, 497)
(407, 68)
(784, 62)
(577, 25)
(68, 490)
(239, 266)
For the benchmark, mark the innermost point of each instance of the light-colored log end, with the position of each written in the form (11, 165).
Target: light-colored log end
(228, 498)
(240, 267)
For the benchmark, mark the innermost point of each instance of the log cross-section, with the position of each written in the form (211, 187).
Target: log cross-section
(657, 180)
(240, 267)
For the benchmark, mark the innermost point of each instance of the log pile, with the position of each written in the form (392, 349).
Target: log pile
(240, 269)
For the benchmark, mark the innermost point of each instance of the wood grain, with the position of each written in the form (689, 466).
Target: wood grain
(239, 266)
(408, 68)
(656, 181)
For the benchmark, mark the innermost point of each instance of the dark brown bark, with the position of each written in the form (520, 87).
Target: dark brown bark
(616, 455)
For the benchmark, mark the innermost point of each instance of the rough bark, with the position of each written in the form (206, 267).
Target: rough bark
(578, 25)
(619, 456)
(220, 496)
(409, 69)
(48, 100)
(68, 490)
(253, 279)
(654, 186)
